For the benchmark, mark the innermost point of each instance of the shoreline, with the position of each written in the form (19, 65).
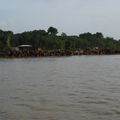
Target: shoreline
(55, 53)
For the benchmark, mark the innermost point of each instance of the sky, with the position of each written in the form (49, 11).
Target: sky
(70, 16)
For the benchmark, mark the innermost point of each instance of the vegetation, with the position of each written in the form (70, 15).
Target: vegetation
(49, 40)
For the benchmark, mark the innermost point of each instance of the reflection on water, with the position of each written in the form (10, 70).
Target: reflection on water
(60, 88)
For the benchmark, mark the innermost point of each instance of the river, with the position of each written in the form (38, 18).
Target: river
(60, 88)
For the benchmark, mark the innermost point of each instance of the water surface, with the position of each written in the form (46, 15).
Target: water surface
(60, 88)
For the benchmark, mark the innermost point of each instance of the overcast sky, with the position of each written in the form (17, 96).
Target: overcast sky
(69, 16)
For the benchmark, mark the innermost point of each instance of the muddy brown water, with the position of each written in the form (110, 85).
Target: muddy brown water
(60, 88)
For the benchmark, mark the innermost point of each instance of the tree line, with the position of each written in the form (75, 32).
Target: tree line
(49, 40)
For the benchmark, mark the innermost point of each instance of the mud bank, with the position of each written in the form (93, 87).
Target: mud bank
(40, 53)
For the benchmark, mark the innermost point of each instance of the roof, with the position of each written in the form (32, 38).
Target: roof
(25, 45)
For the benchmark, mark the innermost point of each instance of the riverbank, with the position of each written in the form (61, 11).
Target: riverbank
(40, 53)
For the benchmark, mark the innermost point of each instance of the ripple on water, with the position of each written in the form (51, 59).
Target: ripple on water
(66, 88)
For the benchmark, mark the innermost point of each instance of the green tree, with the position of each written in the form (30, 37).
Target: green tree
(98, 35)
(52, 31)
(63, 34)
